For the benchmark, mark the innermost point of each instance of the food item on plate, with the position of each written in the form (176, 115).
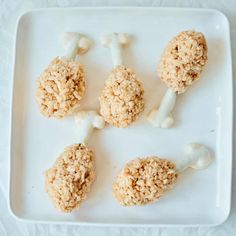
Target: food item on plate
(86, 122)
(181, 65)
(183, 60)
(144, 180)
(70, 178)
(61, 86)
(122, 99)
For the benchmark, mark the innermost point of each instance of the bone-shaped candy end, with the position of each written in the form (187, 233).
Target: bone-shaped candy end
(86, 121)
(75, 43)
(162, 117)
(164, 124)
(114, 42)
(83, 45)
(196, 156)
(120, 38)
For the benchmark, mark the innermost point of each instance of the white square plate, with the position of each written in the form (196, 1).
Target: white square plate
(203, 114)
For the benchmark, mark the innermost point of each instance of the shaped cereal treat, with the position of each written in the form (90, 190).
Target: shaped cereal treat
(61, 86)
(122, 99)
(181, 65)
(144, 180)
(69, 180)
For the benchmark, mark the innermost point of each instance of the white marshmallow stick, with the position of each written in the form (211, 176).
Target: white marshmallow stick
(195, 156)
(115, 41)
(162, 117)
(86, 122)
(75, 44)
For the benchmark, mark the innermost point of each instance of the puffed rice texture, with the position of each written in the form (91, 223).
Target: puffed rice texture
(144, 180)
(60, 88)
(69, 180)
(122, 99)
(183, 60)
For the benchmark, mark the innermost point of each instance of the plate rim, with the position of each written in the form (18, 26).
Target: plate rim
(130, 8)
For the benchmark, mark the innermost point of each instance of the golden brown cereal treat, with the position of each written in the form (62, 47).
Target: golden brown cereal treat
(60, 88)
(183, 60)
(122, 98)
(144, 180)
(69, 180)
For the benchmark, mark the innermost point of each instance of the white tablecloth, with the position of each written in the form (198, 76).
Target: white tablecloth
(9, 12)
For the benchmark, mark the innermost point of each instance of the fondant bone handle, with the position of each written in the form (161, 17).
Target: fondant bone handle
(115, 41)
(162, 117)
(196, 156)
(75, 43)
(86, 122)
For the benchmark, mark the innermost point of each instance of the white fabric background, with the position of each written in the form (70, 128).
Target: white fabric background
(9, 12)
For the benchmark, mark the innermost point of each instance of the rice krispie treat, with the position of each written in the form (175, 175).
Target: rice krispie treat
(70, 178)
(61, 86)
(144, 180)
(122, 99)
(181, 65)
(183, 60)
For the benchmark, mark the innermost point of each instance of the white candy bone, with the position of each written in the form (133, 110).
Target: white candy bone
(162, 117)
(115, 41)
(196, 156)
(75, 43)
(86, 121)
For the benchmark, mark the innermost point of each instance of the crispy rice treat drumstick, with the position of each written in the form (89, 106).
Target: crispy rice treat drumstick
(144, 180)
(69, 180)
(61, 86)
(122, 99)
(181, 65)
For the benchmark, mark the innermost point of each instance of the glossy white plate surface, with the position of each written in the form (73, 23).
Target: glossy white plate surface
(203, 114)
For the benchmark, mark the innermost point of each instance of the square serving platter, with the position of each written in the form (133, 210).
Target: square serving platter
(203, 114)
